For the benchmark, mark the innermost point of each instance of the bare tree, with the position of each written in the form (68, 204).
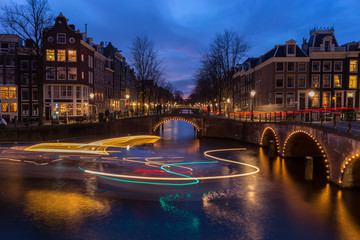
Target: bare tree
(28, 21)
(148, 65)
(226, 50)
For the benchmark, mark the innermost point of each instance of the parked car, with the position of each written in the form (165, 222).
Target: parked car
(3, 123)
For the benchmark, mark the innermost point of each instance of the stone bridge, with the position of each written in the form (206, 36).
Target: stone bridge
(338, 151)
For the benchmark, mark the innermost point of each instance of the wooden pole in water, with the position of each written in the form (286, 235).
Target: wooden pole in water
(309, 168)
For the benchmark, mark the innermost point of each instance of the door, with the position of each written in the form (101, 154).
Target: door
(302, 100)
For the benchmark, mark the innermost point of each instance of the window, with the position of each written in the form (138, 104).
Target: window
(291, 49)
(63, 91)
(50, 73)
(316, 66)
(279, 81)
(25, 79)
(50, 55)
(290, 81)
(34, 94)
(353, 65)
(33, 79)
(353, 81)
(315, 81)
(315, 100)
(35, 109)
(326, 99)
(290, 99)
(260, 84)
(4, 92)
(337, 80)
(48, 92)
(12, 93)
(72, 73)
(25, 94)
(61, 38)
(291, 67)
(72, 55)
(91, 78)
(61, 73)
(301, 81)
(50, 39)
(327, 46)
(327, 66)
(82, 57)
(61, 55)
(338, 66)
(302, 67)
(78, 92)
(4, 107)
(10, 60)
(279, 99)
(72, 40)
(279, 66)
(326, 80)
(56, 92)
(24, 64)
(69, 92)
(25, 109)
(13, 107)
(82, 75)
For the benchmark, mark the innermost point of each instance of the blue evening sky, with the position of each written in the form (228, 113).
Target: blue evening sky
(182, 29)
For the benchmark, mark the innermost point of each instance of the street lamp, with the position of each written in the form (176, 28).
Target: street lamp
(252, 94)
(311, 95)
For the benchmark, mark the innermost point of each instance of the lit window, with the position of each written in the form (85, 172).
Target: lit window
(326, 81)
(4, 107)
(13, 107)
(315, 81)
(4, 92)
(72, 73)
(50, 73)
(315, 100)
(337, 80)
(279, 99)
(61, 38)
(82, 75)
(301, 81)
(72, 55)
(61, 73)
(353, 65)
(326, 99)
(353, 81)
(12, 92)
(61, 55)
(82, 57)
(50, 55)
(35, 109)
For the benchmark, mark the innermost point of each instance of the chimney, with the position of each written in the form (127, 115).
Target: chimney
(305, 46)
(86, 28)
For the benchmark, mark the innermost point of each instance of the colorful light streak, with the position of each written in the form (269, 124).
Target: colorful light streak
(118, 177)
(159, 171)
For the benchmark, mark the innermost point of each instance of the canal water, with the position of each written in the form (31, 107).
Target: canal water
(59, 201)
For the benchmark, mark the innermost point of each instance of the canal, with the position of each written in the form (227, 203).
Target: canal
(47, 195)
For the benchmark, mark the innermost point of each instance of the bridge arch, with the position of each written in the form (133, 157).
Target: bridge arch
(302, 143)
(350, 172)
(267, 135)
(157, 125)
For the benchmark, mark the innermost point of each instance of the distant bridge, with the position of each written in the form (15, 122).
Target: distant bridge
(338, 151)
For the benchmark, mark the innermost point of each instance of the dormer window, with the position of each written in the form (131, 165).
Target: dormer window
(61, 38)
(291, 49)
(327, 46)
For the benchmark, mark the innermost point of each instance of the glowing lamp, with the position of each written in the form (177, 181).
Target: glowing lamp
(252, 93)
(311, 94)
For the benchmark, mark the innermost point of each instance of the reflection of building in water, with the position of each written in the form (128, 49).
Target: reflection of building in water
(55, 207)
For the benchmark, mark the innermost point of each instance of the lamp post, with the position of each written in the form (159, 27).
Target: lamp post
(228, 103)
(252, 94)
(311, 95)
(127, 96)
(91, 95)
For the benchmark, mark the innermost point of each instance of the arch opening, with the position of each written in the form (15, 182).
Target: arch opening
(350, 172)
(300, 144)
(270, 135)
(176, 118)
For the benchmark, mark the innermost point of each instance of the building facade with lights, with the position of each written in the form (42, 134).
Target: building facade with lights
(320, 74)
(69, 70)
